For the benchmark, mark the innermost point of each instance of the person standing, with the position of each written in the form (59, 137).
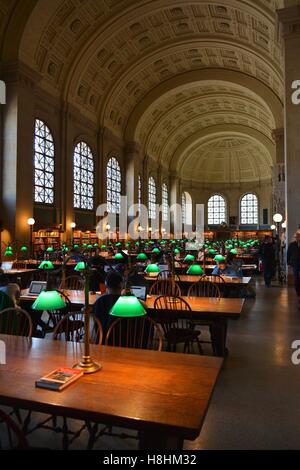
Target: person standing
(267, 254)
(293, 260)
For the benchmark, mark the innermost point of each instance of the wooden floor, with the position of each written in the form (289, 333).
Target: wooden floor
(256, 401)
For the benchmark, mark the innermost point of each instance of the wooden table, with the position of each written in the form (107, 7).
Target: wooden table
(163, 396)
(191, 279)
(18, 272)
(216, 312)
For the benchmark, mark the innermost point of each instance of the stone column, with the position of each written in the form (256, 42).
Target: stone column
(290, 19)
(175, 204)
(278, 179)
(132, 154)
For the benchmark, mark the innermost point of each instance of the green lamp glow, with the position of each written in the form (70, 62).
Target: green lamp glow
(65, 249)
(195, 269)
(80, 266)
(152, 269)
(46, 265)
(48, 300)
(219, 258)
(84, 244)
(23, 248)
(50, 249)
(211, 251)
(156, 250)
(103, 247)
(118, 256)
(128, 306)
(96, 245)
(141, 256)
(234, 251)
(176, 251)
(119, 244)
(189, 258)
(76, 246)
(90, 246)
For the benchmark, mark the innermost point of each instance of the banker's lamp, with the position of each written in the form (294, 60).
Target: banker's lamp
(141, 257)
(128, 305)
(189, 258)
(152, 270)
(195, 269)
(119, 256)
(219, 258)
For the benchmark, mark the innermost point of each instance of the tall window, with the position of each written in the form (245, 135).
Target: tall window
(186, 207)
(139, 194)
(249, 209)
(83, 174)
(113, 179)
(216, 210)
(165, 202)
(152, 198)
(43, 164)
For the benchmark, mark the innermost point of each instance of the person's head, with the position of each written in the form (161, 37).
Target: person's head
(297, 235)
(114, 282)
(222, 265)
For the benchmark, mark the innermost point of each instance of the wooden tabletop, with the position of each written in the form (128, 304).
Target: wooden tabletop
(75, 296)
(230, 308)
(18, 271)
(191, 279)
(152, 391)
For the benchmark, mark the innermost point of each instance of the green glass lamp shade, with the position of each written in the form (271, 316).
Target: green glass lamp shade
(9, 248)
(128, 244)
(234, 251)
(128, 306)
(152, 268)
(8, 253)
(219, 258)
(189, 258)
(50, 249)
(156, 250)
(65, 249)
(103, 247)
(46, 265)
(80, 266)
(24, 248)
(119, 244)
(84, 244)
(96, 245)
(75, 246)
(118, 256)
(137, 243)
(211, 251)
(142, 257)
(48, 300)
(176, 251)
(229, 247)
(195, 269)
(151, 242)
(90, 246)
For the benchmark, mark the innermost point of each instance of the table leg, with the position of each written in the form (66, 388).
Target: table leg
(218, 332)
(151, 440)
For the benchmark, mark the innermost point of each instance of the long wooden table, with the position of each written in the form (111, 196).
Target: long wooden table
(191, 279)
(162, 396)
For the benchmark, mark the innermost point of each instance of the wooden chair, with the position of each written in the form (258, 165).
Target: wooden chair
(137, 332)
(54, 316)
(213, 278)
(169, 275)
(19, 265)
(15, 321)
(13, 438)
(72, 283)
(175, 317)
(204, 289)
(71, 328)
(165, 287)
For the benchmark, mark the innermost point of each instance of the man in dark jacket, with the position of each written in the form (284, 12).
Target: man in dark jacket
(267, 253)
(293, 260)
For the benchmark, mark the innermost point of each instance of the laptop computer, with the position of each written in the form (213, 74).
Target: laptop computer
(139, 291)
(36, 287)
(6, 265)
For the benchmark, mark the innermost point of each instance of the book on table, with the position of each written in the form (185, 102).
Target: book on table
(59, 378)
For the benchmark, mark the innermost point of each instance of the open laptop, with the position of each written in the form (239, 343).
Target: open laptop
(139, 291)
(7, 265)
(36, 287)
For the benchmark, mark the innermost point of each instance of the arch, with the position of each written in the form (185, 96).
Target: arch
(248, 209)
(217, 209)
(113, 188)
(44, 164)
(83, 177)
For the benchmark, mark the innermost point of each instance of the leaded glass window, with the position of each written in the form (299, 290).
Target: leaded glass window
(216, 210)
(43, 164)
(249, 209)
(83, 173)
(152, 198)
(139, 194)
(113, 179)
(165, 202)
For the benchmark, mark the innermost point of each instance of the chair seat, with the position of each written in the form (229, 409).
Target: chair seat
(181, 335)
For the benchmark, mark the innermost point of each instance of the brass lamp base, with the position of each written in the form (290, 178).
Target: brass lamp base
(87, 365)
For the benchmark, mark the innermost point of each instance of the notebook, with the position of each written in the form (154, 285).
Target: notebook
(59, 378)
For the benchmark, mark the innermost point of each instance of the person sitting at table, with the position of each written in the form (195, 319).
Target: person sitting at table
(234, 264)
(225, 269)
(103, 305)
(12, 290)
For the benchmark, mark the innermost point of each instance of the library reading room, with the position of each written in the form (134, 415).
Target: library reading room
(149, 230)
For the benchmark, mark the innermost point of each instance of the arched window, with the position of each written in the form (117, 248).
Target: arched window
(83, 175)
(152, 198)
(43, 164)
(187, 208)
(113, 179)
(139, 194)
(165, 202)
(216, 210)
(249, 209)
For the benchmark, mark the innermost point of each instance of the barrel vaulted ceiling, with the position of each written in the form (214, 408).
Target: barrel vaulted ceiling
(198, 84)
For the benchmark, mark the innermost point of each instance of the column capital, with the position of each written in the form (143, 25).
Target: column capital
(278, 135)
(290, 19)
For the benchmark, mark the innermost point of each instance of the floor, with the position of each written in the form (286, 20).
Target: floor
(256, 400)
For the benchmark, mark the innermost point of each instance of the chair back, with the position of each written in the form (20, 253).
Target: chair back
(135, 332)
(15, 321)
(71, 328)
(72, 283)
(171, 312)
(204, 289)
(213, 278)
(165, 287)
(19, 265)
(169, 275)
